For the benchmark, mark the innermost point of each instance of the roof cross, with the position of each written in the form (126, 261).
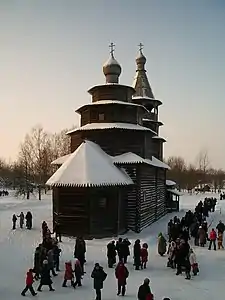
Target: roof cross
(140, 46)
(112, 49)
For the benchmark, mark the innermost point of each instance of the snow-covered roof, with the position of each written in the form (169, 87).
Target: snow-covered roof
(88, 166)
(60, 160)
(107, 102)
(128, 158)
(170, 182)
(132, 158)
(158, 163)
(102, 126)
(175, 192)
(156, 137)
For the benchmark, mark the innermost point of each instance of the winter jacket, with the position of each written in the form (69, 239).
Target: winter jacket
(29, 278)
(99, 277)
(212, 235)
(202, 236)
(144, 255)
(77, 269)
(51, 259)
(220, 227)
(161, 245)
(192, 258)
(144, 292)
(68, 275)
(111, 250)
(45, 276)
(121, 274)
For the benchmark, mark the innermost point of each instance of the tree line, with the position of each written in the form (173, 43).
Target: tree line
(189, 176)
(33, 167)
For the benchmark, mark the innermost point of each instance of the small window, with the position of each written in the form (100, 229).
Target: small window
(101, 117)
(102, 203)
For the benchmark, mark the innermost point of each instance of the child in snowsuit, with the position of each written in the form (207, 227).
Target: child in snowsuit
(144, 255)
(220, 240)
(68, 274)
(29, 284)
(193, 262)
(78, 273)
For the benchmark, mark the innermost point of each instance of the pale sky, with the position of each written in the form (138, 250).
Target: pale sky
(52, 52)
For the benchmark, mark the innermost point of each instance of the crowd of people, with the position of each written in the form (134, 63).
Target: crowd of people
(47, 259)
(180, 255)
(194, 224)
(22, 218)
(4, 193)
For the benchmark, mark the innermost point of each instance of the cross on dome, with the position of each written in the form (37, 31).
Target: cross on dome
(141, 46)
(112, 49)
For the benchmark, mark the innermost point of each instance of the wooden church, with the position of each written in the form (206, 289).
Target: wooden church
(114, 180)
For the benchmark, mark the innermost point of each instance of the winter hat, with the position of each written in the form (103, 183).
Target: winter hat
(147, 280)
(45, 262)
(166, 298)
(97, 265)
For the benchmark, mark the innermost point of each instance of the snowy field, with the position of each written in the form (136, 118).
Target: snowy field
(17, 249)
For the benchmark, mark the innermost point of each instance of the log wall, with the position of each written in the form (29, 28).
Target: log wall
(147, 195)
(112, 141)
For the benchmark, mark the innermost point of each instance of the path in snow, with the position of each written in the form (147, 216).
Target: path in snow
(17, 249)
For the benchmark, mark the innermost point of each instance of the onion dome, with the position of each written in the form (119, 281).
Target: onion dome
(140, 61)
(112, 68)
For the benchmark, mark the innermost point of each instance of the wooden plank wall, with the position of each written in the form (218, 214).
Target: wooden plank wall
(132, 213)
(161, 193)
(147, 201)
(73, 211)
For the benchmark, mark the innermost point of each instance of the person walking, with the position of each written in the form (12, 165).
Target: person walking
(29, 284)
(99, 276)
(212, 239)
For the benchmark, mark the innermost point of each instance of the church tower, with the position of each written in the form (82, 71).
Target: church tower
(144, 95)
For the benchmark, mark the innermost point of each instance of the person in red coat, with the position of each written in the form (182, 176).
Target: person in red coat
(212, 239)
(144, 255)
(68, 274)
(121, 274)
(29, 284)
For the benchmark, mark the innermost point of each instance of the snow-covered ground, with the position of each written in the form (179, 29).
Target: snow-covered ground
(17, 249)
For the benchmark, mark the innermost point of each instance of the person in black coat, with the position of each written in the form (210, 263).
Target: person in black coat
(181, 256)
(37, 262)
(79, 251)
(126, 250)
(45, 277)
(56, 255)
(220, 227)
(29, 220)
(144, 291)
(111, 254)
(78, 273)
(99, 277)
(119, 249)
(137, 254)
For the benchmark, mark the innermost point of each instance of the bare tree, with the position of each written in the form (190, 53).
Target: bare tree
(36, 158)
(203, 163)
